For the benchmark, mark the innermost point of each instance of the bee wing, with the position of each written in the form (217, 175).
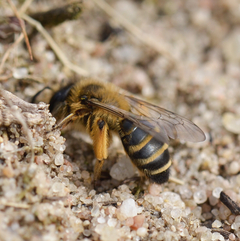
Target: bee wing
(155, 120)
(175, 126)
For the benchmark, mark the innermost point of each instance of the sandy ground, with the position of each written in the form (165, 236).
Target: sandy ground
(181, 55)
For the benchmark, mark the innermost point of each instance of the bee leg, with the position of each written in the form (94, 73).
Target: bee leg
(100, 136)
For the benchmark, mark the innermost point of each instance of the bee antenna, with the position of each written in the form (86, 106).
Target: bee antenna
(33, 100)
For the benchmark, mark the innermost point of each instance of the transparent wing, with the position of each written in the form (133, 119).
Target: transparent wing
(175, 126)
(158, 122)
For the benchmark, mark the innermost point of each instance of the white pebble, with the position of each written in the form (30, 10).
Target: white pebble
(112, 210)
(201, 229)
(122, 169)
(215, 212)
(112, 222)
(29, 218)
(233, 168)
(86, 223)
(173, 228)
(154, 189)
(216, 224)
(128, 208)
(232, 237)
(173, 199)
(107, 233)
(101, 220)
(142, 232)
(92, 193)
(46, 158)
(95, 211)
(231, 122)
(216, 192)
(176, 213)
(59, 160)
(200, 196)
(58, 187)
(20, 73)
(50, 56)
(206, 236)
(217, 236)
(87, 232)
(237, 219)
(230, 47)
(197, 211)
(185, 192)
(127, 53)
(76, 224)
(154, 200)
(224, 212)
(235, 226)
(15, 226)
(213, 200)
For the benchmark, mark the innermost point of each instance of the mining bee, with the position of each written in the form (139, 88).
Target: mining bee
(144, 128)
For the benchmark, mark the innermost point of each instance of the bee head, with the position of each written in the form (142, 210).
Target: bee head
(59, 98)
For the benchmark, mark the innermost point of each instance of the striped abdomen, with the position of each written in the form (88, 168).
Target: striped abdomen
(149, 155)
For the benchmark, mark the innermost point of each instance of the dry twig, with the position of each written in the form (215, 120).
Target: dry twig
(22, 27)
(161, 48)
(5, 77)
(25, 6)
(228, 202)
(55, 47)
(5, 56)
(14, 204)
(176, 180)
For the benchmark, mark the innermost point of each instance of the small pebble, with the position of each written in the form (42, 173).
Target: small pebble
(101, 220)
(232, 237)
(231, 122)
(138, 222)
(8, 172)
(216, 192)
(176, 213)
(215, 212)
(201, 229)
(59, 160)
(154, 189)
(128, 208)
(112, 222)
(235, 225)
(95, 212)
(129, 221)
(217, 237)
(224, 212)
(86, 223)
(233, 168)
(87, 232)
(85, 175)
(58, 187)
(216, 224)
(123, 169)
(142, 232)
(185, 192)
(20, 73)
(200, 196)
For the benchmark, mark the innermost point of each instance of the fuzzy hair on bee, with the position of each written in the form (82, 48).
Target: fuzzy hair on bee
(145, 129)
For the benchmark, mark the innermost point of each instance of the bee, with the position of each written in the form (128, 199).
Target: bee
(145, 129)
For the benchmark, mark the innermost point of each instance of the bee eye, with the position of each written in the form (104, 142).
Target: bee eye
(83, 98)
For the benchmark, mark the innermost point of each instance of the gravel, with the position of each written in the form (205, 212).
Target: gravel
(46, 190)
